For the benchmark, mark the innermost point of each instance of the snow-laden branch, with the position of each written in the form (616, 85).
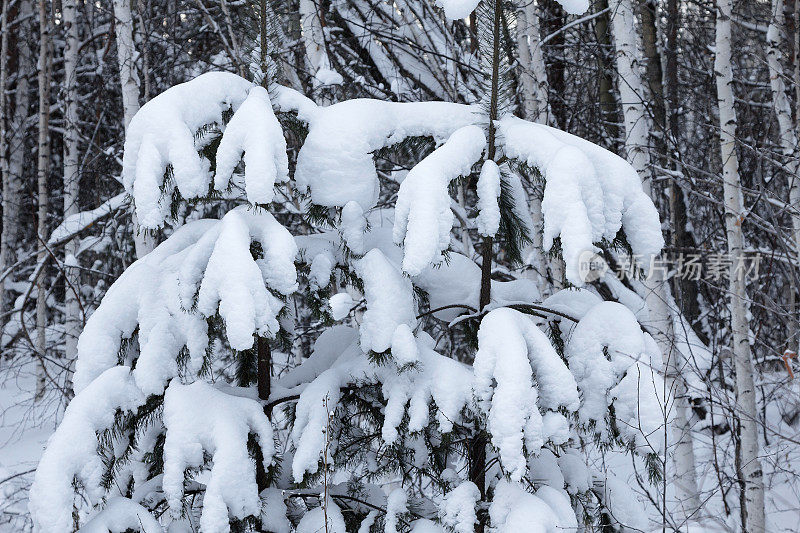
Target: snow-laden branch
(434, 378)
(205, 267)
(162, 135)
(255, 131)
(613, 361)
(71, 453)
(120, 515)
(513, 354)
(423, 218)
(514, 509)
(199, 418)
(589, 195)
(390, 302)
(336, 161)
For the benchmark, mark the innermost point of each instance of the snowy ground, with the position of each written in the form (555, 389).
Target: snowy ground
(23, 434)
(24, 431)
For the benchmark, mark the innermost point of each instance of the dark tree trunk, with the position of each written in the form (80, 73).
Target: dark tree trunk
(685, 289)
(554, 19)
(264, 361)
(605, 82)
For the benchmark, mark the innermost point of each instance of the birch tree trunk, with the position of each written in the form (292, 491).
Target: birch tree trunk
(685, 289)
(752, 494)
(637, 134)
(631, 90)
(313, 38)
(531, 62)
(533, 77)
(311, 27)
(787, 128)
(43, 171)
(129, 81)
(126, 53)
(532, 74)
(72, 326)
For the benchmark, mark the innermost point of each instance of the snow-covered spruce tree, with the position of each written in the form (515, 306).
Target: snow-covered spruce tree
(436, 397)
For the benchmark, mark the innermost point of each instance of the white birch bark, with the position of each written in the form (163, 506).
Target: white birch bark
(532, 105)
(752, 511)
(533, 76)
(72, 326)
(531, 62)
(43, 171)
(787, 129)
(313, 38)
(126, 55)
(129, 81)
(631, 90)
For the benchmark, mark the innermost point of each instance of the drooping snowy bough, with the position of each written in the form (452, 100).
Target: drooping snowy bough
(193, 405)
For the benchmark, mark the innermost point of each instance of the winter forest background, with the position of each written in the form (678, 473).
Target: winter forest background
(367, 265)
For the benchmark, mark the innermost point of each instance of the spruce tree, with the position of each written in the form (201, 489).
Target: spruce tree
(310, 348)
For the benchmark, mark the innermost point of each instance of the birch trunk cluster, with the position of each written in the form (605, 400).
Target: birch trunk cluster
(658, 296)
(748, 453)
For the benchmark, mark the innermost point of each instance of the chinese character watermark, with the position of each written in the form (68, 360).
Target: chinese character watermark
(717, 266)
